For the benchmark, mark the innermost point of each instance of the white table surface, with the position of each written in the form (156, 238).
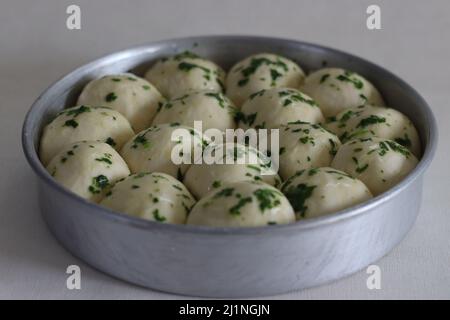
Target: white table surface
(36, 48)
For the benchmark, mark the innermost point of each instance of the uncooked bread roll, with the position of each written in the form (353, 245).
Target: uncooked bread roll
(184, 73)
(277, 106)
(261, 71)
(368, 121)
(88, 168)
(135, 98)
(151, 149)
(336, 89)
(304, 146)
(379, 163)
(320, 191)
(204, 177)
(151, 196)
(212, 108)
(242, 204)
(84, 123)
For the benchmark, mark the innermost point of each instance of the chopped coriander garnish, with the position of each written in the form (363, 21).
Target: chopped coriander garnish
(405, 141)
(224, 193)
(347, 76)
(157, 216)
(219, 97)
(267, 198)
(372, 119)
(77, 111)
(362, 169)
(235, 210)
(110, 97)
(98, 184)
(274, 74)
(333, 145)
(398, 148)
(104, 159)
(324, 78)
(140, 139)
(257, 94)
(297, 196)
(177, 187)
(70, 123)
(255, 63)
(110, 141)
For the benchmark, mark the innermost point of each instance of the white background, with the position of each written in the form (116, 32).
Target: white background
(36, 49)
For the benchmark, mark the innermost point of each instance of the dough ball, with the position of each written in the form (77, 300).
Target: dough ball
(336, 89)
(368, 121)
(261, 71)
(88, 168)
(184, 73)
(151, 150)
(247, 164)
(304, 146)
(151, 196)
(84, 123)
(212, 108)
(242, 204)
(320, 191)
(274, 107)
(377, 162)
(135, 98)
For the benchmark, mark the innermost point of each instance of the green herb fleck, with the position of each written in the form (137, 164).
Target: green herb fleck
(70, 123)
(372, 119)
(255, 63)
(186, 66)
(104, 159)
(274, 74)
(226, 192)
(362, 169)
(398, 148)
(333, 145)
(324, 78)
(140, 139)
(78, 111)
(257, 94)
(219, 97)
(298, 195)
(358, 84)
(157, 216)
(405, 141)
(110, 97)
(267, 198)
(177, 187)
(98, 184)
(235, 210)
(110, 141)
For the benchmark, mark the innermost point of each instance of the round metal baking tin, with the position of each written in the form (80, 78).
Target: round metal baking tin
(229, 262)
